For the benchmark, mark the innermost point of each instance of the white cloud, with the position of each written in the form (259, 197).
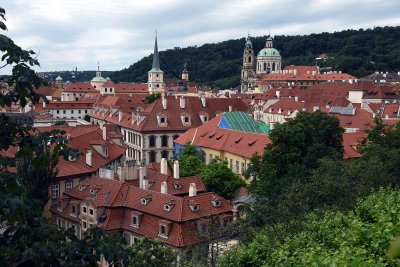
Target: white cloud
(117, 33)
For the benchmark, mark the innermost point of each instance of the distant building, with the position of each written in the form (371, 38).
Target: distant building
(383, 77)
(155, 79)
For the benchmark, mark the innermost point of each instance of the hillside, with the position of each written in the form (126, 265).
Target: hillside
(358, 52)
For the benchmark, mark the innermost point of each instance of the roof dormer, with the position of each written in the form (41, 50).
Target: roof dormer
(145, 200)
(194, 207)
(162, 120)
(186, 119)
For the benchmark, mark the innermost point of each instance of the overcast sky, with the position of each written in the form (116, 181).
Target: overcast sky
(117, 33)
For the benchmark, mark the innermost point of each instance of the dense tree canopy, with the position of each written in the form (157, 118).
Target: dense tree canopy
(357, 238)
(190, 161)
(219, 179)
(358, 52)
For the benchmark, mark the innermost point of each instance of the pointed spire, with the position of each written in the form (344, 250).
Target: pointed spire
(156, 61)
(98, 66)
(184, 67)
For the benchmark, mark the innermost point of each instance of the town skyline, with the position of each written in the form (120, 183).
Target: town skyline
(69, 35)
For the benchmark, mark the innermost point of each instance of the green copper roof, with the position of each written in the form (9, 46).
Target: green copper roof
(98, 79)
(241, 121)
(156, 60)
(59, 79)
(269, 52)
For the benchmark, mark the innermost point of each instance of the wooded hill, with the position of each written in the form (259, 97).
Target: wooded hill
(357, 52)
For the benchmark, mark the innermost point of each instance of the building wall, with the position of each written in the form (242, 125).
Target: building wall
(63, 113)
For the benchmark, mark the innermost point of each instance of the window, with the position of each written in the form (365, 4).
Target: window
(72, 111)
(85, 111)
(105, 90)
(152, 141)
(237, 166)
(230, 163)
(162, 119)
(84, 225)
(58, 112)
(164, 154)
(79, 111)
(91, 212)
(90, 225)
(216, 203)
(68, 185)
(144, 201)
(64, 111)
(243, 167)
(135, 221)
(167, 207)
(84, 210)
(194, 207)
(210, 157)
(164, 140)
(152, 156)
(73, 209)
(186, 119)
(55, 190)
(163, 230)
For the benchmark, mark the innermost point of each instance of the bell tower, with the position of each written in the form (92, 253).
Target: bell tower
(155, 79)
(248, 65)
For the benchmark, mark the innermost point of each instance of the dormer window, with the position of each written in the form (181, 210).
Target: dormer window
(163, 229)
(185, 118)
(167, 207)
(104, 150)
(145, 200)
(177, 186)
(216, 203)
(82, 187)
(194, 207)
(162, 120)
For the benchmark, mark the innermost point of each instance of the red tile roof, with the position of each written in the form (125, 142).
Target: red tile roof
(235, 142)
(83, 87)
(350, 143)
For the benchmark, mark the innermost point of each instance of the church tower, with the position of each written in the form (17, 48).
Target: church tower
(185, 73)
(268, 59)
(248, 65)
(155, 79)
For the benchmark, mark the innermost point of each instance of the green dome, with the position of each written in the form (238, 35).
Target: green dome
(59, 79)
(268, 52)
(98, 79)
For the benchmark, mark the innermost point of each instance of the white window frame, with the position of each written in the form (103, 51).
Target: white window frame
(55, 190)
(69, 185)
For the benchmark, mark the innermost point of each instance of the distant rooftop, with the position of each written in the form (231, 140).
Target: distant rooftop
(241, 121)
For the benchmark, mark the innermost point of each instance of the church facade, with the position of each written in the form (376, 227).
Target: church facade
(268, 60)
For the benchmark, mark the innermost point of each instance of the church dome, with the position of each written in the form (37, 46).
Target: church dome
(269, 52)
(59, 79)
(98, 79)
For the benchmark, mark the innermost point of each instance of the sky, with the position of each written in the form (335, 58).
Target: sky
(116, 33)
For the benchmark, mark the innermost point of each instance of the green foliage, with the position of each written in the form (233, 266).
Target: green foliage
(152, 97)
(219, 179)
(61, 122)
(357, 52)
(358, 238)
(190, 163)
(295, 150)
(150, 253)
(26, 237)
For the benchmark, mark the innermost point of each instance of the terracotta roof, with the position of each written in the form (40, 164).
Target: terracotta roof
(173, 113)
(350, 143)
(84, 87)
(81, 104)
(122, 200)
(239, 143)
(301, 69)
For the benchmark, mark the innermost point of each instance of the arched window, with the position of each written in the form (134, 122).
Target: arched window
(152, 141)
(249, 59)
(265, 66)
(164, 140)
(273, 67)
(152, 156)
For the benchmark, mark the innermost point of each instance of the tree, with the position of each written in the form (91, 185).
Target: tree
(28, 239)
(150, 253)
(219, 179)
(356, 238)
(190, 161)
(152, 97)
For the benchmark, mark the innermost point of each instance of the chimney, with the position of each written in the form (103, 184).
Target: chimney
(104, 133)
(192, 190)
(122, 173)
(142, 175)
(133, 118)
(44, 104)
(164, 166)
(387, 116)
(373, 115)
(182, 102)
(278, 94)
(176, 169)
(120, 115)
(230, 108)
(296, 99)
(164, 188)
(89, 157)
(279, 110)
(295, 71)
(203, 100)
(145, 184)
(164, 102)
(131, 170)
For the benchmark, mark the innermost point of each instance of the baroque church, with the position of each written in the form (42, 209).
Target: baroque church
(268, 60)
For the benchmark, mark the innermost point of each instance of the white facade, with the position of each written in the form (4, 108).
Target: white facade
(69, 113)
